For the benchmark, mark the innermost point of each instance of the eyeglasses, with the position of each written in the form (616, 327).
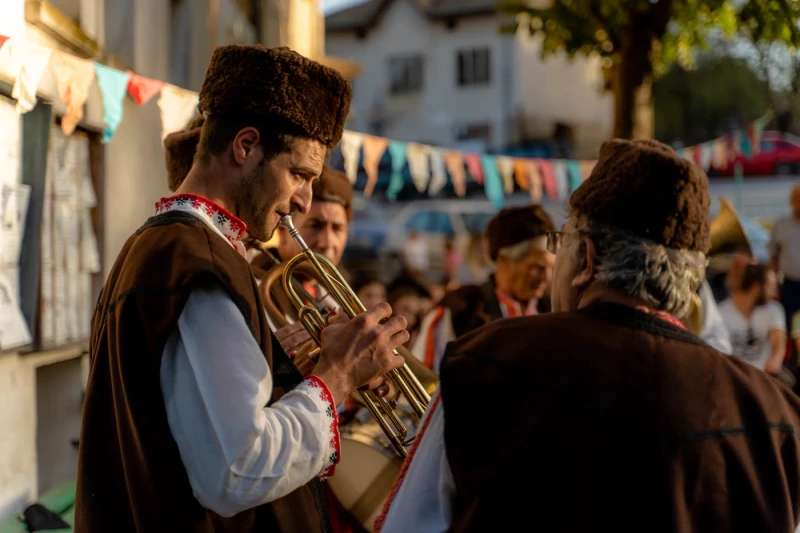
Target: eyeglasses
(554, 241)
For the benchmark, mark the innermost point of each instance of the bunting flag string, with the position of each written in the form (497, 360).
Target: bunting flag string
(429, 167)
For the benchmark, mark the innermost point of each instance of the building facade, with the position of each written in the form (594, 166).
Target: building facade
(441, 72)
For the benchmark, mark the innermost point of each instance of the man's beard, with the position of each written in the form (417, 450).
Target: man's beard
(253, 215)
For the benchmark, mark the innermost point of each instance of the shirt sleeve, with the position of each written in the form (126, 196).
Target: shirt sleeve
(216, 384)
(777, 316)
(714, 332)
(424, 495)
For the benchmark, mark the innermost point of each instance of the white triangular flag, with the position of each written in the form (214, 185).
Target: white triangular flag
(351, 151)
(27, 62)
(178, 107)
(418, 165)
(506, 167)
(438, 174)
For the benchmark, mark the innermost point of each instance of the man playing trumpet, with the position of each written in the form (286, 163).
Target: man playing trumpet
(194, 418)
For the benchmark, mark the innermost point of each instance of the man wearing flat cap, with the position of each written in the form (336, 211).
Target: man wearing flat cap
(618, 418)
(523, 266)
(194, 418)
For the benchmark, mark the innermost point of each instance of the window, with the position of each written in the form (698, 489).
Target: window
(474, 67)
(431, 222)
(767, 146)
(405, 74)
(471, 132)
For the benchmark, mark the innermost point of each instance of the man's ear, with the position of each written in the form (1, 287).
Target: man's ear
(589, 259)
(245, 144)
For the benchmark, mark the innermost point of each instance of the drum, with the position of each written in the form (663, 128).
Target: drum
(368, 467)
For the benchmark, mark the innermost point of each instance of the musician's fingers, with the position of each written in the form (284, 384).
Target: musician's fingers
(377, 383)
(335, 316)
(394, 325)
(373, 316)
(399, 338)
(382, 391)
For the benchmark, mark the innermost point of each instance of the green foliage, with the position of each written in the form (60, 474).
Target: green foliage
(584, 27)
(699, 104)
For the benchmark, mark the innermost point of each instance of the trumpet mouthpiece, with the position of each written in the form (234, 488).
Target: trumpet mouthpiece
(286, 222)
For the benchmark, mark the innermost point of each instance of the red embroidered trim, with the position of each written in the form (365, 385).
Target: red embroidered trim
(430, 342)
(404, 469)
(229, 225)
(663, 315)
(316, 383)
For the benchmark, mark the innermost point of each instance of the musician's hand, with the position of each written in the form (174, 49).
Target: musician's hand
(356, 351)
(301, 360)
(383, 386)
(293, 337)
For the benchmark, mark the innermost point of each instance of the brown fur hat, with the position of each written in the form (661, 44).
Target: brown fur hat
(514, 225)
(333, 186)
(278, 83)
(644, 187)
(180, 147)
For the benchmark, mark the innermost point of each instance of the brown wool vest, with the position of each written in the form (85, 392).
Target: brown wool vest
(611, 420)
(130, 474)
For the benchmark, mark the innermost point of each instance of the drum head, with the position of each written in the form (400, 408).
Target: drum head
(365, 474)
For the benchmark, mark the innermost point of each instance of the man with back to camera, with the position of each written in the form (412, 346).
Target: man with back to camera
(618, 418)
(523, 266)
(195, 419)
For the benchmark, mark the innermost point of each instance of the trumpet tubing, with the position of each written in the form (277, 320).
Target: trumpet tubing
(416, 393)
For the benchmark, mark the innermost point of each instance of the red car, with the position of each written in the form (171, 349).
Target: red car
(779, 155)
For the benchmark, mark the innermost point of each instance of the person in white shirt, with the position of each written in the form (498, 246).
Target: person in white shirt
(785, 255)
(713, 330)
(194, 417)
(757, 325)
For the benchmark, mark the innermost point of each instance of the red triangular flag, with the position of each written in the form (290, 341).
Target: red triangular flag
(3, 40)
(143, 89)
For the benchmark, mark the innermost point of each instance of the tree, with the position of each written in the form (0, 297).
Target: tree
(695, 105)
(640, 39)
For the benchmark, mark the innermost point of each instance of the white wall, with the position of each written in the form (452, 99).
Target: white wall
(553, 91)
(432, 115)
(560, 90)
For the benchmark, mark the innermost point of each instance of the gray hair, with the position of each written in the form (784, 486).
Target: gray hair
(664, 278)
(519, 251)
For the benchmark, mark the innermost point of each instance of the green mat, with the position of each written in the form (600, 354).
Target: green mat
(59, 499)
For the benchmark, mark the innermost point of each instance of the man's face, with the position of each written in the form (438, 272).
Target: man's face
(563, 295)
(530, 277)
(323, 228)
(270, 189)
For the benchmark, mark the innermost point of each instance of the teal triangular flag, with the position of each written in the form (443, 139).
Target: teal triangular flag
(493, 184)
(397, 150)
(113, 86)
(575, 175)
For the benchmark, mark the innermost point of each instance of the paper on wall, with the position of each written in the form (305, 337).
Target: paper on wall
(14, 330)
(14, 199)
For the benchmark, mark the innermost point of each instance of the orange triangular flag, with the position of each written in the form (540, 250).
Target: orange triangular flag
(535, 181)
(586, 169)
(73, 78)
(374, 148)
(143, 89)
(521, 174)
(455, 166)
(3, 40)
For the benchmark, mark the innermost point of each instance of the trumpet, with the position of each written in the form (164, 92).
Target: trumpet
(383, 410)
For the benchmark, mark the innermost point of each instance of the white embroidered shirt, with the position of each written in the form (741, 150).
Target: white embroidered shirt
(238, 452)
